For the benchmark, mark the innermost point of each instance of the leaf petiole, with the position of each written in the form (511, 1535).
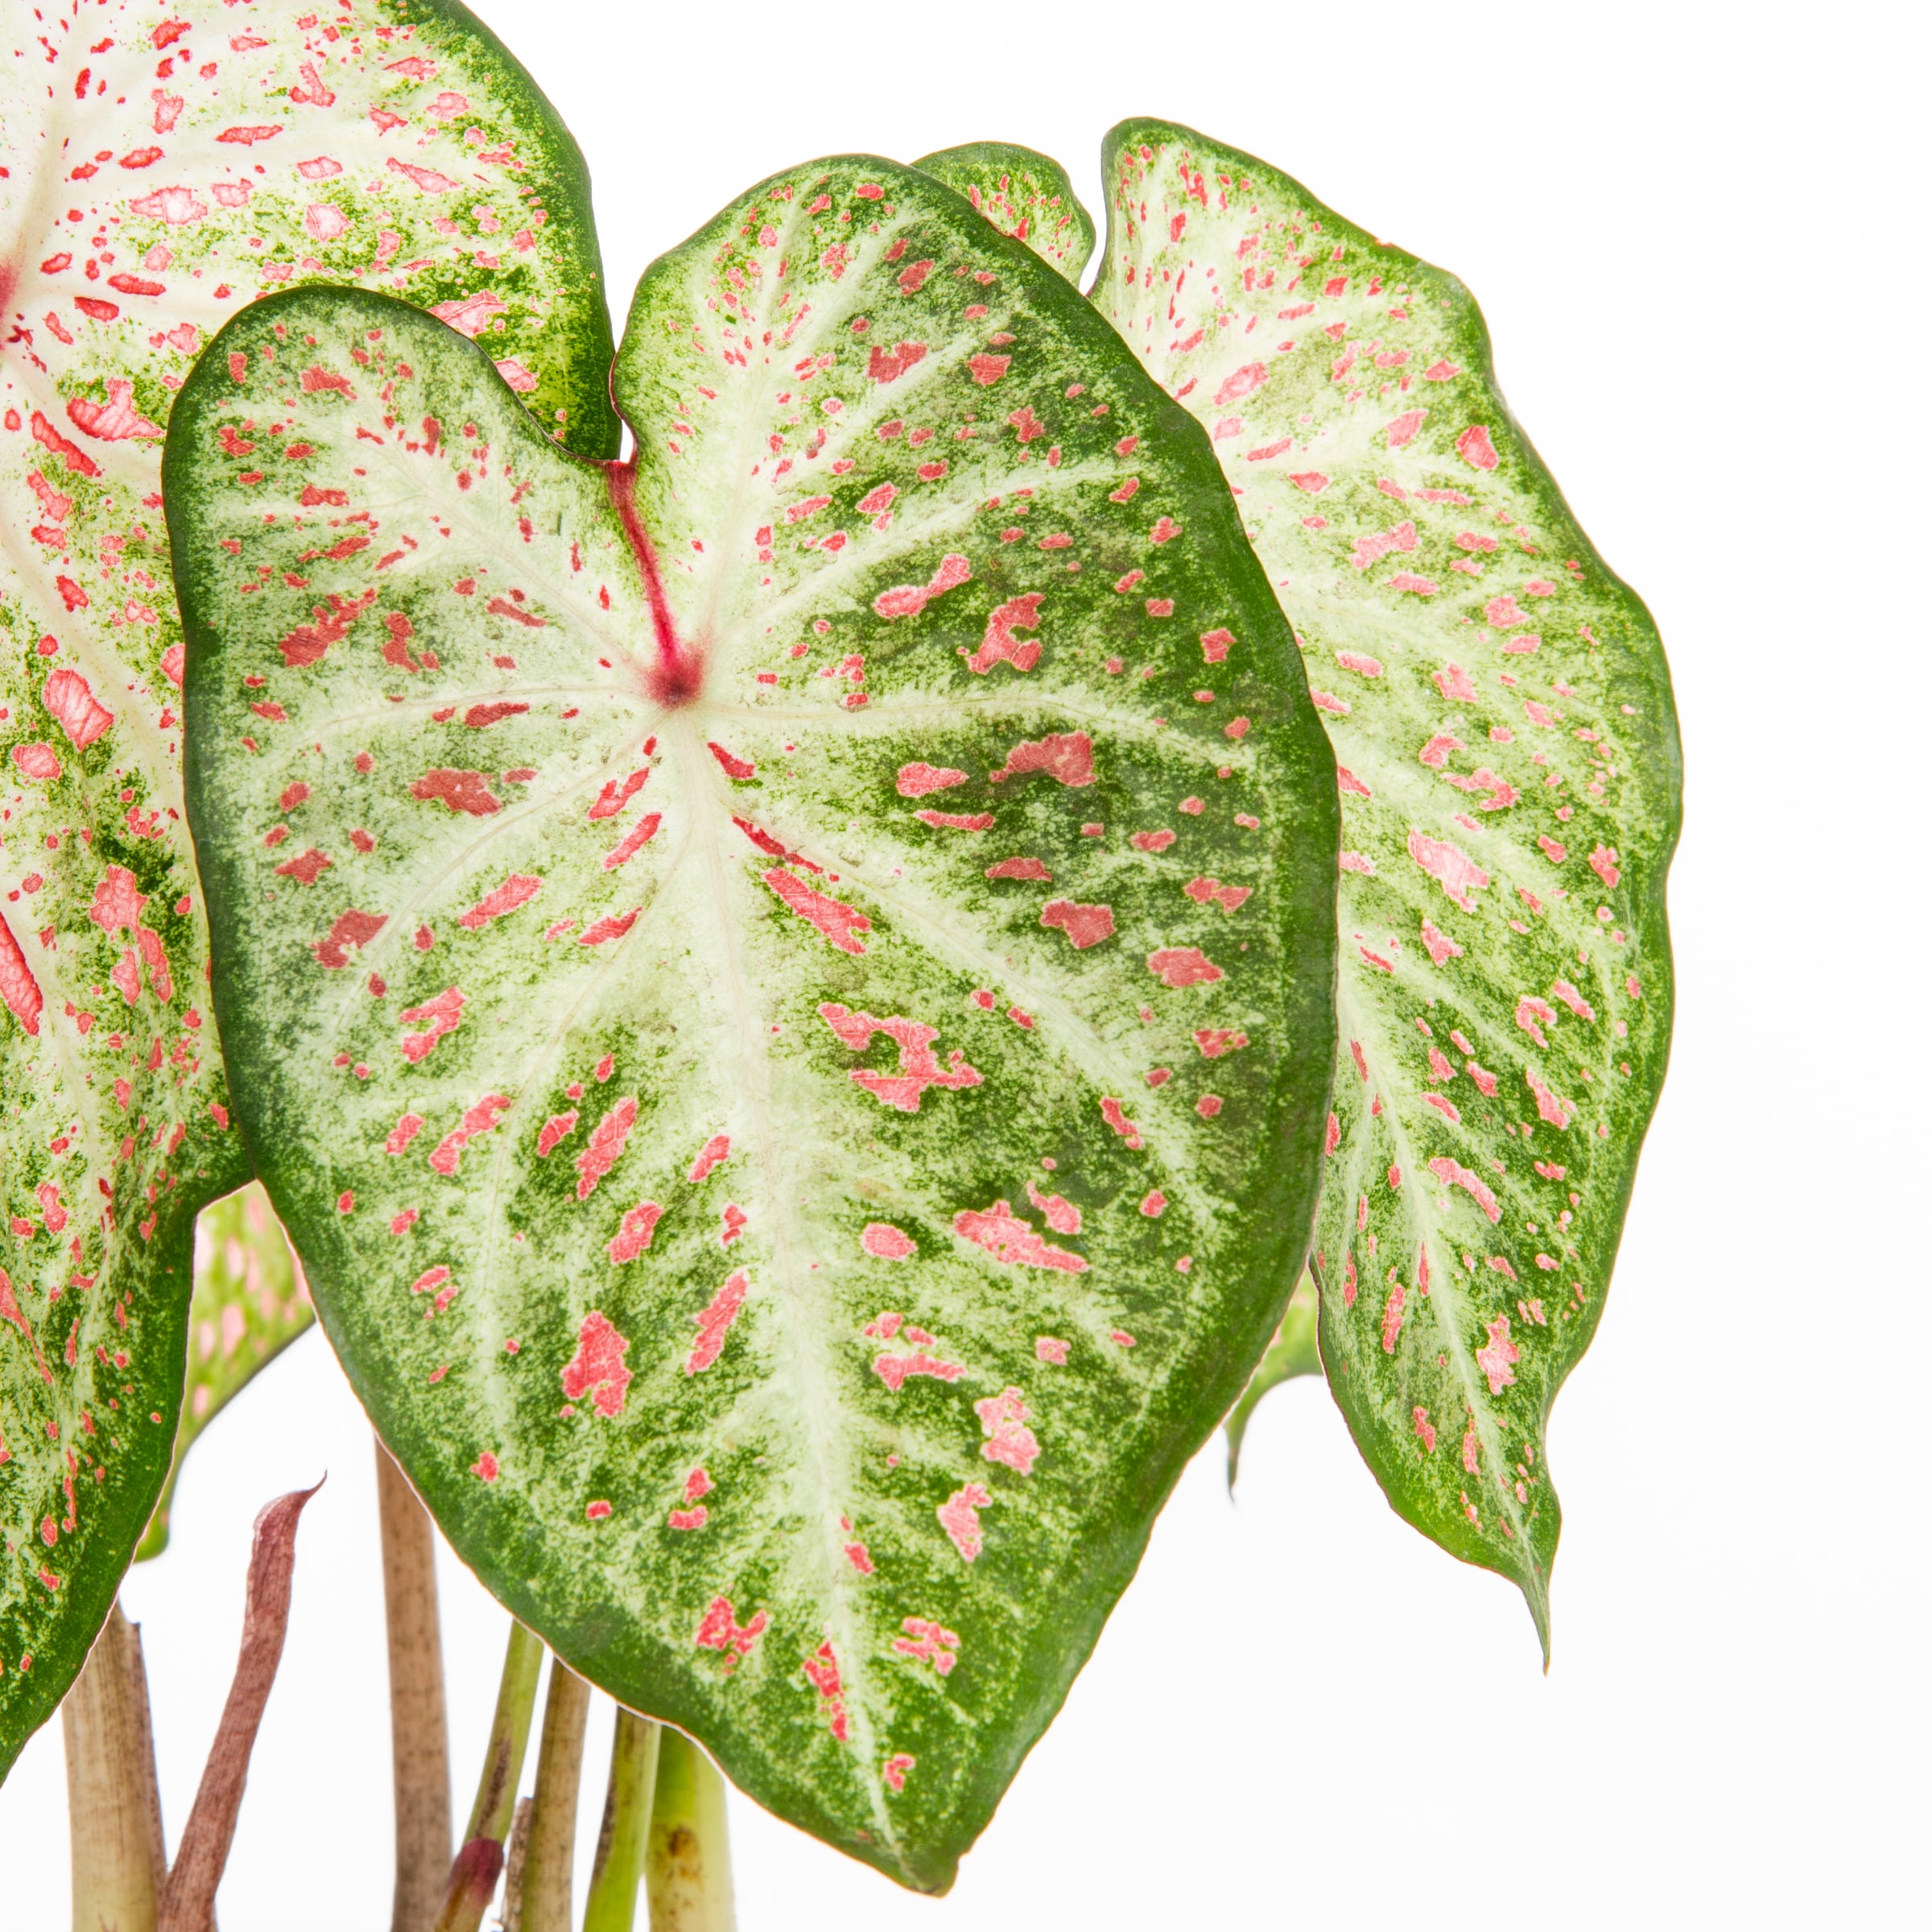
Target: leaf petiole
(479, 1861)
(688, 1869)
(624, 1837)
(553, 1822)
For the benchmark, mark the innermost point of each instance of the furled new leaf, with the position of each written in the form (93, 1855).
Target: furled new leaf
(158, 172)
(1294, 1351)
(249, 1304)
(1499, 707)
(791, 1021)
(1023, 194)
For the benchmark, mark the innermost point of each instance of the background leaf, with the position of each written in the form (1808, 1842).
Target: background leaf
(1294, 1351)
(794, 1054)
(249, 1304)
(160, 172)
(1499, 707)
(1025, 195)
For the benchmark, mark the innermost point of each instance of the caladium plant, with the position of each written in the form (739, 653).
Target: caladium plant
(1511, 783)
(783, 989)
(834, 916)
(160, 172)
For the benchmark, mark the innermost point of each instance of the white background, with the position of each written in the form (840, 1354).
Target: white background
(1698, 233)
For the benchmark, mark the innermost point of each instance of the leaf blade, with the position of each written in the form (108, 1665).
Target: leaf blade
(1024, 194)
(682, 1240)
(1382, 479)
(111, 1076)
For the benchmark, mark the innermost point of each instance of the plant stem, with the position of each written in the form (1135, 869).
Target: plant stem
(613, 1904)
(112, 1805)
(553, 1822)
(688, 1869)
(473, 1876)
(187, 1904)
(419, 1732)
(513, 1869)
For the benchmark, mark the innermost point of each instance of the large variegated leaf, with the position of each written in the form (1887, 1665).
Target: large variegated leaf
(783, 992)
(160, 172)
(250, 1301)
(1025, 195)
(1499, 707)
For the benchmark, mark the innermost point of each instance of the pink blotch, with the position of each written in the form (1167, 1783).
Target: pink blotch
(720, 1630)
(1084, 925)
(887, 1243)
(918, 1066)
(516, 890)
(960, 1517)
(1392, 1317)
(999, 646)
(714, 1322)
(1061, 1215)
(1474, 447)
(1551, 1107)
(895, 1371)
(1010, 1241)
(714, 1154)
(835, 921)
(1181, 966)
(1002, 1417)
(1497, 1358)
(1531, 1016)
(633, 1233)
(931, 1643)
(916, 780)
(1049, 1349)
(1452, 1173)
(597, 1368)
(909, 599)
(1453, 869)
(822, 1671)
(606, 1145)
(1067, 756)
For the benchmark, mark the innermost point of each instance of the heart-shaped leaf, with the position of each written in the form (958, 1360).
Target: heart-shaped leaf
(1499, 707)
(1023, 194)
(250, 1301)
(159, 172)
(783, 992)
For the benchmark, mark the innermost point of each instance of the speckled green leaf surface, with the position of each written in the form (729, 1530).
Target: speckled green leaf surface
(784, 993)
(1294, 1352)
(250, 1301)
(156, 173)
(1501, 712)
(1023, 194)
